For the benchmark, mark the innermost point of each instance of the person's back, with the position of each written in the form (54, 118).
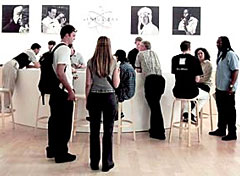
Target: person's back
(126, 88)
(185, 67)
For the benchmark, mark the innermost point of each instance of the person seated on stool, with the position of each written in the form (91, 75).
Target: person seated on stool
(126, 88)
(187, 70)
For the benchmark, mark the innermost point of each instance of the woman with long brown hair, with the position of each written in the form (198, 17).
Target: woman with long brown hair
(101, 99)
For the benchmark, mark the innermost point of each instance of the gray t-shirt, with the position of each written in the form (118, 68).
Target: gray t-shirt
(101, 85)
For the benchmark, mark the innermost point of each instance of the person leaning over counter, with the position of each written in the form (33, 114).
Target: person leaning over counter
(10, 69)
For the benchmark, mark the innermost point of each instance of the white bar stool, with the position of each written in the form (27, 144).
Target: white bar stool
(42, 119)
(183, 125)
(75, 123)
(124, 123)
(205, 114)
(9, 112)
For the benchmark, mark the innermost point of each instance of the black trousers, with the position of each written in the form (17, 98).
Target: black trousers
(226, 111)
(101, 104)
(154, 88)
(60, 122)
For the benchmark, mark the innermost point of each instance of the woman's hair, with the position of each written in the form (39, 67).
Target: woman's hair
(206, 54)
(102, 58)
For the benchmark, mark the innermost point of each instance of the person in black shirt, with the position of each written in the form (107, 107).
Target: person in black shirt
(133, 53)
(187, 70)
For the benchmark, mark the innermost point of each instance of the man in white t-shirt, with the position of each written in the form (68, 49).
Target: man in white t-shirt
(61, 101)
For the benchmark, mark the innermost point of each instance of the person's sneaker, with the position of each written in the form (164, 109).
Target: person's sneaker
(217, 133)
(49, 153)
(193, 120)
(185, 117)
(107, 168)
(65, 158)
(229, 137)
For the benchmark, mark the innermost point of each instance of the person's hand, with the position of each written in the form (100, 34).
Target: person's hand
(71, 96)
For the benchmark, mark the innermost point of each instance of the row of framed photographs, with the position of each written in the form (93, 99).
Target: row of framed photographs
(144, 19)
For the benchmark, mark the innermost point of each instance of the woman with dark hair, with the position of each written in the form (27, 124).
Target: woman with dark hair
(226, 85)
(101, 99)
(204, 58)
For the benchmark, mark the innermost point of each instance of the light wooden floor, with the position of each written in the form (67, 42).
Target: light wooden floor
(23, 154)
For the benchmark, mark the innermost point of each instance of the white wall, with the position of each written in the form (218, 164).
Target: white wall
(217, 18)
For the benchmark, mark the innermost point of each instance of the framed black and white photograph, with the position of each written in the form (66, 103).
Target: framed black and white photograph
(15, 18)
(145, 20)
(54, 17)
(186, 20)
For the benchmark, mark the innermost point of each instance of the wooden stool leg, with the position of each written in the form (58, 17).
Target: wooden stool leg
(36, 123)
(2, 112)
(201, 120)
(189, 124)
(74, 120)
(210, 113)
(181, 120)
(199, 127)
(11, 109)
(171, 124)
(119, 122)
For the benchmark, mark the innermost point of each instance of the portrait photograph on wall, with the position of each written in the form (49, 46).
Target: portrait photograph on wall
(54, 17)
(145, 20)
(186, 20)
(15, 18)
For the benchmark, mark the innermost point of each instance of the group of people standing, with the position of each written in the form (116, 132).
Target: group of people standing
(192, 75)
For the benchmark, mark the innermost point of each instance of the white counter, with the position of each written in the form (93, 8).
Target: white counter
(26, 95)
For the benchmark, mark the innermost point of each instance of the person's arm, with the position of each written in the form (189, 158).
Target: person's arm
(116, 77)
(234, 76)
(35, 65)
(88, 83)
(63, 79)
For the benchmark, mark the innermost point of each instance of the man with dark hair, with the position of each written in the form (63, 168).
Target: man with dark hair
(226, 86)
(187, 70)
(133, 53)
(126, 88)
(51, 44)
(188, 23)
(10, 69)
(148, 64)
(61, 101)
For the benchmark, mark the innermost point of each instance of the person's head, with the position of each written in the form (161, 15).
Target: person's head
(51, 44)
(52, 12)
(138, 42)
(202, 54)
(186, 13)
(185, 46)
(145, 45)
(17, 14)
(68, 33)
(223, 44)
(36, 48)
(121, 55)
(102, 58)
(145, 15)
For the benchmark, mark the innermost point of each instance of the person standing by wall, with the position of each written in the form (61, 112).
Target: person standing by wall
(133, 53)
(101, 99)
(226, 85)
(10, 69)
(148, 64)
(61, 101)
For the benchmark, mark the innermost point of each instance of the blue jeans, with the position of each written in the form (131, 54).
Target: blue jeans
(98, 104)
